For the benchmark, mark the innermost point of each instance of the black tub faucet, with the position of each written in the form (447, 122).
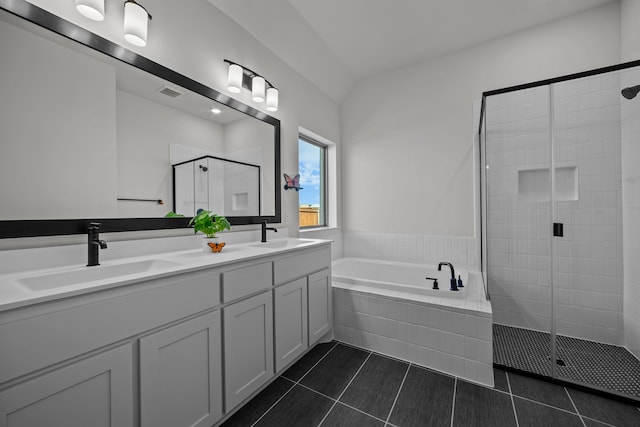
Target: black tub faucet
(454, 285)
(94, 243)
(264, 231)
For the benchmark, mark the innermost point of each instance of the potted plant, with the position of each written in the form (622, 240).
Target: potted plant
(209, 223)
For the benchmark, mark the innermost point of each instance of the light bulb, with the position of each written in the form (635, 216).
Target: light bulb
(257, 89)
(272, 99)
(92, 9)
(136, 21)
(234, 84)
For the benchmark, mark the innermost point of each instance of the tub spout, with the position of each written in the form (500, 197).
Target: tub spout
(454, 284)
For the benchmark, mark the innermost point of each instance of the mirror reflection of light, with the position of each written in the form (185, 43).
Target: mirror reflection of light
(215, 110)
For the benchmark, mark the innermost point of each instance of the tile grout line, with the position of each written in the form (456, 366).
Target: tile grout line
(386, 423)
(294, 384)
(345, 389)
(513, 404)
(453, 403)
(342, 403)
(275, 403)
(574, 406)
(314, 365)
(543, 404)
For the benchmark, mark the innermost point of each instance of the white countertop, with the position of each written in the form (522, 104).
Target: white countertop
(22, 288)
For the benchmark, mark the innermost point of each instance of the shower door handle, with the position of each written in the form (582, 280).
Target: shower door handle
(558, 229)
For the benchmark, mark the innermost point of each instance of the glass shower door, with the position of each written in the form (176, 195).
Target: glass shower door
(587, 264)
(517, 188)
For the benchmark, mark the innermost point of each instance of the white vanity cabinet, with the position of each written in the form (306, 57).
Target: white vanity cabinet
(248, 347)
(180, 374)
(97, 391)
(290, 314)
(181, 349)
(302, 302)
(320, 312)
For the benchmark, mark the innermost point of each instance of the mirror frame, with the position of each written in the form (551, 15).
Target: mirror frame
(53, 227)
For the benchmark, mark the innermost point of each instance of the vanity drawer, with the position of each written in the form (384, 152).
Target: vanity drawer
(246, 281)
(292, 267)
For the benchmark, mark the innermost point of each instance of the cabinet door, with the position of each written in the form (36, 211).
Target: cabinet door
(248, 347)
(319, 305)
(180, 374)
(96, 392)
(290, 309)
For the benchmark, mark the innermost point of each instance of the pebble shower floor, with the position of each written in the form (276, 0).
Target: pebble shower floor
(602, 365)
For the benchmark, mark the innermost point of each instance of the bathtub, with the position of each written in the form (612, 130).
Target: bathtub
(401, 277)
(390, 308)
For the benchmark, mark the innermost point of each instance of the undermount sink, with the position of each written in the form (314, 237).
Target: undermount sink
(91, 274)
(284, 243)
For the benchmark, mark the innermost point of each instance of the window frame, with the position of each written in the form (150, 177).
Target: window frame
(323, 220)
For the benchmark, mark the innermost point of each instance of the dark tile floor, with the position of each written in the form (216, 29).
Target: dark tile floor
(339, 385)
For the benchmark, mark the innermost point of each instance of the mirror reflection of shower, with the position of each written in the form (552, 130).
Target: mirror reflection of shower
(630, 92)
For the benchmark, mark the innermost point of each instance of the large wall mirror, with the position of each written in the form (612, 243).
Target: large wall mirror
(91, 132)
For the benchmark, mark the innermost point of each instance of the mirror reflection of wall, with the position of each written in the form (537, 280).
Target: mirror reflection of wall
(81, 130)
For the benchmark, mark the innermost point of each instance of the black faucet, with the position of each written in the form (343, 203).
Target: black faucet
(94, 243)
(454, 285)
(264, 231)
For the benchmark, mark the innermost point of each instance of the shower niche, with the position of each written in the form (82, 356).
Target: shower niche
(533, 184)
(226, 187)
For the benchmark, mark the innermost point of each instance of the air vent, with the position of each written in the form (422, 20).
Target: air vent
(170, 92)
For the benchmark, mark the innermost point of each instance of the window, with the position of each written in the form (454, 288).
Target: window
(312, 166)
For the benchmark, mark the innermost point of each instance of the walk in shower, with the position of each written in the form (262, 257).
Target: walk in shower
(560, 184)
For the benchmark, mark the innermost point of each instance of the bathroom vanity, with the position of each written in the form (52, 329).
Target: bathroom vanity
(180, 339)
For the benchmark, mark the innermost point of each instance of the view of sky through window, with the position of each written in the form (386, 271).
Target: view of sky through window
(309, 156)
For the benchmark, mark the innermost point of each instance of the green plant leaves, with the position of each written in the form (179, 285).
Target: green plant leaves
(209, 223)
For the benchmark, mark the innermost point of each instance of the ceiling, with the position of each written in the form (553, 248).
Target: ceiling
(333, 43)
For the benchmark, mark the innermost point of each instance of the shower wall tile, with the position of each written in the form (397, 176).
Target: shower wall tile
(588, 261)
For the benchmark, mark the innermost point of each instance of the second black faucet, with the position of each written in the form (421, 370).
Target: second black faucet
(264, 231)
(94, 243)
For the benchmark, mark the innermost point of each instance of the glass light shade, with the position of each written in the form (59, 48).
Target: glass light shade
(136, 21)
(272, 99)
(234, 81)
(92, 9)
(257, 89)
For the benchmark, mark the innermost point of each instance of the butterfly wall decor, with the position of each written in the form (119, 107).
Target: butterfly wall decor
(292, 183)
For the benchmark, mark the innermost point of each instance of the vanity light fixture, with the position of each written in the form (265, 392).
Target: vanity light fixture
(261, 90)
(136, 23)
(234, 80)
(136, 18)
(272, 99)
(92, 9)
(257, 88)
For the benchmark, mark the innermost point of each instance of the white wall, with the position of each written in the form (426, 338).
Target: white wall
(193, 38)
(407, 135)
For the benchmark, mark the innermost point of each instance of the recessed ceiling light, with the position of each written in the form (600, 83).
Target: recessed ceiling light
(215, 110)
